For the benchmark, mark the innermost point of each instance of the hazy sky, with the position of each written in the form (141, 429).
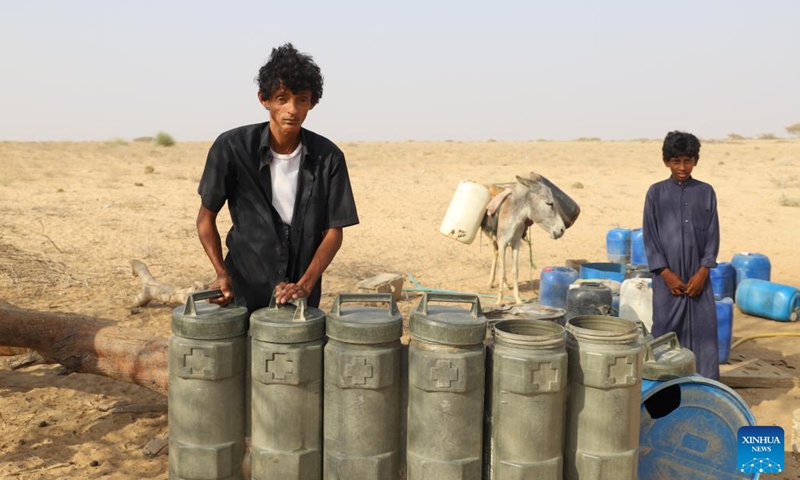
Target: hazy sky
(422, 70)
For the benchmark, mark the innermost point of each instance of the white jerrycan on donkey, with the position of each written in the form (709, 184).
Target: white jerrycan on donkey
(466, 211)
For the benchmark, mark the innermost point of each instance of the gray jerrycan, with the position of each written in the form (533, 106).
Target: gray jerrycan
(605, 388)
(525, 403)
(286, 402)
(207, 365)
(446, 375)
(361, 406)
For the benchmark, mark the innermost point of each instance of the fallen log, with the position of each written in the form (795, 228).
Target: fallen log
(88, 345)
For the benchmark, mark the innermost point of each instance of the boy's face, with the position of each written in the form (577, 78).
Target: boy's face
(287, 109)
(681, 167)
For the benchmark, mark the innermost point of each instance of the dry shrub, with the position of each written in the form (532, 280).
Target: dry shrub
(164, 139)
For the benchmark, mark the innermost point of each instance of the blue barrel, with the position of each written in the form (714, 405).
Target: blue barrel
(689, 430)
(638, 254)
(768, 299)
(751, 265)
(724, 328)
(618, 245)
(553, 285)
(603, 270)
(723, 280)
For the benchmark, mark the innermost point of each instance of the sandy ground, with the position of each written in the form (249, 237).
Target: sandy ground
(72, 215)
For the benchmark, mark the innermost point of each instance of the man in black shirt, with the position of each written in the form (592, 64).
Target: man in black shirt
(287, 189)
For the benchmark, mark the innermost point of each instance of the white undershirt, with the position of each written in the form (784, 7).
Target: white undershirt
(283, 175)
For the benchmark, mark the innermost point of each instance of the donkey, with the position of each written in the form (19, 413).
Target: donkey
(529, 201)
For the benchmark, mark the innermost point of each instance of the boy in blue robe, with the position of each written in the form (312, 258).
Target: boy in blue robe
(681, 238)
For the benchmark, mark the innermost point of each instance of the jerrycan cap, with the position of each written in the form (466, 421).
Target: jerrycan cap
(664, 359)
(294, 322)
(448, 325)
(364, 325)
(208, 321)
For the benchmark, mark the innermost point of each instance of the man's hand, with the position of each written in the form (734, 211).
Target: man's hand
(698, 281)
(223, 282)
(284, 292)
(675, 284)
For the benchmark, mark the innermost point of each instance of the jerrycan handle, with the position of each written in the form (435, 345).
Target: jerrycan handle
(299, 303)
(670, 339)
(341, 298)
(643, 331)
(451, 298)
(190, 309)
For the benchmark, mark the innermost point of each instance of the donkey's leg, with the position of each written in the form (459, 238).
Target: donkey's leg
(515, 270)
(501, 252)
(494, 263)
(504, 278)
(502, 282)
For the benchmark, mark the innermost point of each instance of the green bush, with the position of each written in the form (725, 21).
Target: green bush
(164, 139)
(794, 129)
(143, 139)
(767, 136)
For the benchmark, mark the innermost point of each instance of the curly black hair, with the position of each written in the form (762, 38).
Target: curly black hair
(680, 144)
(290, 69)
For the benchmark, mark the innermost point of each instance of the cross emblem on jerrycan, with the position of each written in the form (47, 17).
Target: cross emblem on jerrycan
(358, 370)
(199, 362)
(280, 366)
(444, 373)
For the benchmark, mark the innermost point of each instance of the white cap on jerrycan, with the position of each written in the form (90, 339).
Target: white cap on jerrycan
(463, 217)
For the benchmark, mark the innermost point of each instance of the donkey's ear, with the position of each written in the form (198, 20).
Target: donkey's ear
(528, 182)
(524, 181)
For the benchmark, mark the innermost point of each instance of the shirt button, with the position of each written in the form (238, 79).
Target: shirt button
(280, 272)
(687, 221)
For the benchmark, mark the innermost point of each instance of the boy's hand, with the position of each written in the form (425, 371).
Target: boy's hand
(223, 282)
(698, 281)
(675, 284)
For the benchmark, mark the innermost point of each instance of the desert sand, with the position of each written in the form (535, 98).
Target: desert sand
(72, 215)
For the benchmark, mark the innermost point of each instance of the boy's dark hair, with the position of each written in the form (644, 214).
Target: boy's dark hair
(291, 69)
(680, 144)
